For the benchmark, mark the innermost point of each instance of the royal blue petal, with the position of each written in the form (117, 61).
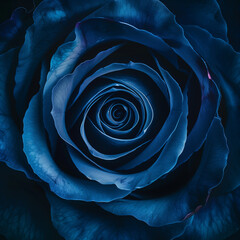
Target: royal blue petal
(224, 63)
(24, 212)
(81, 220)
(184, 202)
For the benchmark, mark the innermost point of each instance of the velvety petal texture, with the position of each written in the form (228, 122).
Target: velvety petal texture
(125, 113)
(219, 219)
(227, 77)
(76, 220)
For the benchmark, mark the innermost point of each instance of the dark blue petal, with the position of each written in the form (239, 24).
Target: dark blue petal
(231, 13)
(208, 108)
(81, 220)
(184, 202)
(12, 31)
(53, 20)
(224, 63)
(210, 100)
(219, 219)
(10, 140)
(206, 14)
(24, 212)
(42, 163)
(94, 33)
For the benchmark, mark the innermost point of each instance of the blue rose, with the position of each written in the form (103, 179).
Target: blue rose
(119, 120)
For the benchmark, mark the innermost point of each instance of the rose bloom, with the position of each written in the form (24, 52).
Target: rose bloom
(120, 120)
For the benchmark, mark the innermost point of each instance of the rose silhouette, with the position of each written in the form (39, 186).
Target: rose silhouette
(123, 117)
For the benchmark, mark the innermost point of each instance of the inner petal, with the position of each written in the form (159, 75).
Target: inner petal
(119, 112)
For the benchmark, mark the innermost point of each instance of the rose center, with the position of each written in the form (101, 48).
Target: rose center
(119, 112)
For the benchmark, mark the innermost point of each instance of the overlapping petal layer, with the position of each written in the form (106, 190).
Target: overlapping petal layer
(106, 124)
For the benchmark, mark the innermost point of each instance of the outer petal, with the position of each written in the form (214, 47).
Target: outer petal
(10, 140)
(12, 31)
(224, 63)
(79, 220)
(12, 34)
(53, 20)
(24, 210)
(183, 203)
(206, 14)
(219, 219)
(152, 16)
